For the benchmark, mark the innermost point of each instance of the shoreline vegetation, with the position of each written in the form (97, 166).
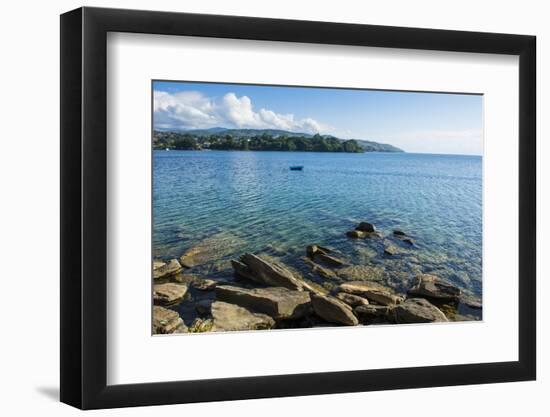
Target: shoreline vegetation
(262, 140)
(264, 293)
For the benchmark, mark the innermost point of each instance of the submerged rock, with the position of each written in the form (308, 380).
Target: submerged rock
(183, 278)
(312, 250)
(214, 267)
(228, 317)
(277, 302)
(418, 310)
(167, 270)
(372, 291)
(333, 310)
(356, 234)
(262, 271)
(330, 260)
(321, 270)
(169, 293)
(203, 307)
(366, 227)
(362, 273)
(431, 286)
(166, 321)
(390, 250)
(352, 300)
(210, 249)
(403, 237)
(316, 252)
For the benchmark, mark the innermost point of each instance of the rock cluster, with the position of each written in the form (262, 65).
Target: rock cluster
(268, 294)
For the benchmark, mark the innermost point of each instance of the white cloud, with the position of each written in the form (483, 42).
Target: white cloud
(194, 110)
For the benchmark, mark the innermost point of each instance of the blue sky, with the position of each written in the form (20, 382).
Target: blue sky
(415, 122)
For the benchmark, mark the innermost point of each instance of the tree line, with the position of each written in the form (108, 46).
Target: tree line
(263, 142)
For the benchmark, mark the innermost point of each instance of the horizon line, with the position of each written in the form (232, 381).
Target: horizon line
(312, 134)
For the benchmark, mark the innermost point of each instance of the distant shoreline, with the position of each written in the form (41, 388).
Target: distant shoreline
(274, 150)
(296, 151)
(264, 140)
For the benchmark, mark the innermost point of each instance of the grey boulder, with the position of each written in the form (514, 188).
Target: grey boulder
(166, 270)
(228, 317)
(265, 272)
(418, 310)
(169, 293)
(431, 286)
(333, 310)
(367, 313)
(366, 227)
(166, 321)
(277, 302)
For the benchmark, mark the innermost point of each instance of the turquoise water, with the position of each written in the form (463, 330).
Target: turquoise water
(255, 199)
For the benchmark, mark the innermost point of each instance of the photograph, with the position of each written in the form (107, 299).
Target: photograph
(286, 207)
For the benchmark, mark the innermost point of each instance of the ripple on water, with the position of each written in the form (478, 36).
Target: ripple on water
(254, 197)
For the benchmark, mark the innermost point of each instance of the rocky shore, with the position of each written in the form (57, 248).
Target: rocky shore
(263, 293)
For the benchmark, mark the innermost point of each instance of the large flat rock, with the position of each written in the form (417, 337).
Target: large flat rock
(228, 317)
(277, 302)
(166, 321)
(372, 291)
(167, 269)
(266, 272)
(333, 310)
(418, 310)
(431, 286)
(169, 293)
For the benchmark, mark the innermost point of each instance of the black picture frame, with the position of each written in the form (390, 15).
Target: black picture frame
(84, 207)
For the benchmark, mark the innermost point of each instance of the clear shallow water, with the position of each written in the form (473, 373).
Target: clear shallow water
(261, 206)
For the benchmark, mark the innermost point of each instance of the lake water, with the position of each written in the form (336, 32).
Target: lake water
(259, 205)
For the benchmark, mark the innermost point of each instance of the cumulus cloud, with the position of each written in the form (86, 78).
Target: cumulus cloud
(194, 110)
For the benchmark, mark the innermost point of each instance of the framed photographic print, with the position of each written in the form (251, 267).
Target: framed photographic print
(257, 208)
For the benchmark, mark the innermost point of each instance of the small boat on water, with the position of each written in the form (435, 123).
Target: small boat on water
(296, 167)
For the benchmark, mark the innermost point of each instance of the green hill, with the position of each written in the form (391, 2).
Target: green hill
(219, 138)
